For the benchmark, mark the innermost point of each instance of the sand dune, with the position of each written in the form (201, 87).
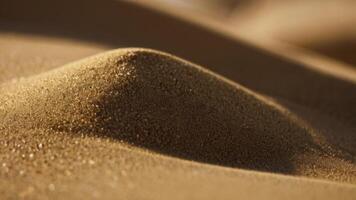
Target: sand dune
(167, 105)
(138, 123)
(156, 101)
(162, 103)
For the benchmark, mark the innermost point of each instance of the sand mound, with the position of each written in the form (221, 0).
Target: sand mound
(168, 105)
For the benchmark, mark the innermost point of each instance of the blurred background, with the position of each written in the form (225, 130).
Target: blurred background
(327, 27)
(193, 29)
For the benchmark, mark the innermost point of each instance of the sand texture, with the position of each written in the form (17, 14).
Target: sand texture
(80, 120)
(152, 100)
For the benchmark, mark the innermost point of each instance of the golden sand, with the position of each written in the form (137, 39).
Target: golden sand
(149, 99)
(137, 123)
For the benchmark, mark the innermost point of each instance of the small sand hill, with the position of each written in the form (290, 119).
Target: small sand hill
(156, 101)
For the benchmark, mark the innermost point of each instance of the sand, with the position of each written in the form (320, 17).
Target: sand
(132, 98)
(137, 123)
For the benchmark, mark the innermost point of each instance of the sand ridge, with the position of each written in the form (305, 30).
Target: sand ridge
(159, 102)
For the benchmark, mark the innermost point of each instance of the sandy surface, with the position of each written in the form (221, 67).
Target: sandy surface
(137, 123)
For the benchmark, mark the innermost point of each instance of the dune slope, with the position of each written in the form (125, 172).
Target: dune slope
(165, 104)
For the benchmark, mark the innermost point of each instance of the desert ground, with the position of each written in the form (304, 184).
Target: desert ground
(105, 99)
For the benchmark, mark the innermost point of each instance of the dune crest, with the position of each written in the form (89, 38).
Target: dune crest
(156, 101)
